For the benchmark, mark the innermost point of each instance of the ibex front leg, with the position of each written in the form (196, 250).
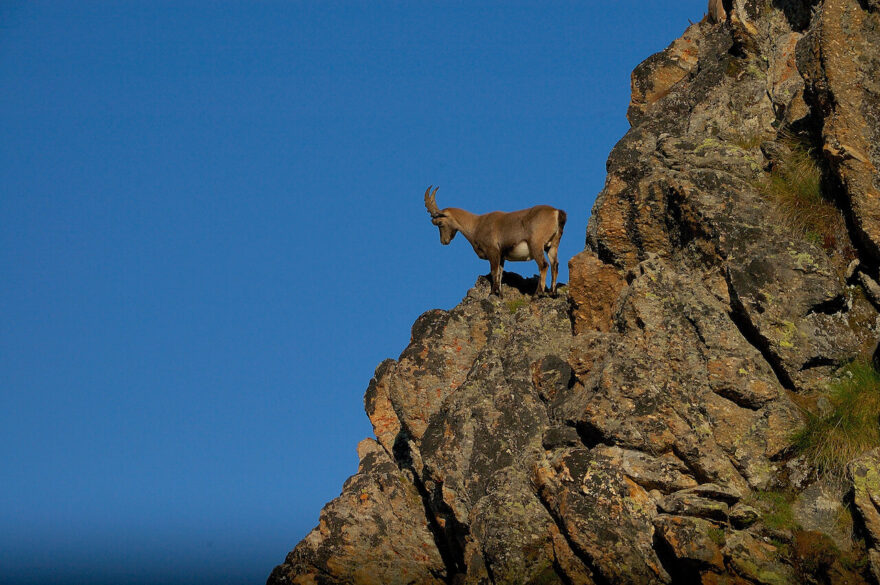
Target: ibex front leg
(496, 264)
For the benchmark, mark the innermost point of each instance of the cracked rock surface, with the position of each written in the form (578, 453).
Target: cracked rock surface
(627, 430)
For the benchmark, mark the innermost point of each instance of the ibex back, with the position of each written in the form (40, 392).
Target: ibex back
(497, 236)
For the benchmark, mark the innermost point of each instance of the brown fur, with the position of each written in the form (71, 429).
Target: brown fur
(716, 11)
(496, 235)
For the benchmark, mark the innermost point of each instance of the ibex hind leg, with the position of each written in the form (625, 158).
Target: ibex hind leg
(553, 249)
(538, 254)
(542, 280)
(553, 254)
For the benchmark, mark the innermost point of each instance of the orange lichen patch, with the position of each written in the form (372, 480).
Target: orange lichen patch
(382, 416)
(593, 288)
(689, 539)
(723, 367)
(661, 439)
(664, 79)
(655, 79)
(725, 579)
(612, 216)
(309, 579)
(638, 497)
(385, 422)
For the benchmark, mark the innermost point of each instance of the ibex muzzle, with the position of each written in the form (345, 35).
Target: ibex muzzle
(497, 236)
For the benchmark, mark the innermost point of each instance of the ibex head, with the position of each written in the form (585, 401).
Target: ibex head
(439, 218)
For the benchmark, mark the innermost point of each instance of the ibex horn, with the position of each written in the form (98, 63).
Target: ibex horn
(431, 202)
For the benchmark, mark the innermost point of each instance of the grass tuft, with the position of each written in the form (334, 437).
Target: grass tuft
(794, 186)
(847, 426)
(516, 304)
(749, 141)
(716, 535)
(776, 507)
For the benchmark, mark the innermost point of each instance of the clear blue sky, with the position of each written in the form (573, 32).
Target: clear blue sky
(212, 231)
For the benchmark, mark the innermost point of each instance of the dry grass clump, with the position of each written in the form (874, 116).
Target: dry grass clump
(794, 186)
(749, 140)
(847, 426)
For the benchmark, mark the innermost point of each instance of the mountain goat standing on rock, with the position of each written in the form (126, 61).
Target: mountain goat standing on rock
(497, 236)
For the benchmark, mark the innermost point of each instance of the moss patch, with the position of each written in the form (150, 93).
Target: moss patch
(716, 535)
(776, 509)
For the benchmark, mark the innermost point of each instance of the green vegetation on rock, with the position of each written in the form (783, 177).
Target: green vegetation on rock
(776, 507)
(794, 187)
(845, 426)
(515, 305)
(748, 140)
(716, 535)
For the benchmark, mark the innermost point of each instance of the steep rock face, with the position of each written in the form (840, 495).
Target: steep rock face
(474, 453)
(464, 413)
(840, 60)
(676, 377)
(376, 505)
(630, 430)
(684, 184)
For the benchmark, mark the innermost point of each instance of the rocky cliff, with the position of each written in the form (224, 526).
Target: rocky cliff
(647, 425)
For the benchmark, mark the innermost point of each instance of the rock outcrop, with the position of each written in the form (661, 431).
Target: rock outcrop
(638, 427)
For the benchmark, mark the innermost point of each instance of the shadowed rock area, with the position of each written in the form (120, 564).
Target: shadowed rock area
(638, 428)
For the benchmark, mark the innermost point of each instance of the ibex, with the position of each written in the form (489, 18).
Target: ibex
(716, 11)
(497, 236)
